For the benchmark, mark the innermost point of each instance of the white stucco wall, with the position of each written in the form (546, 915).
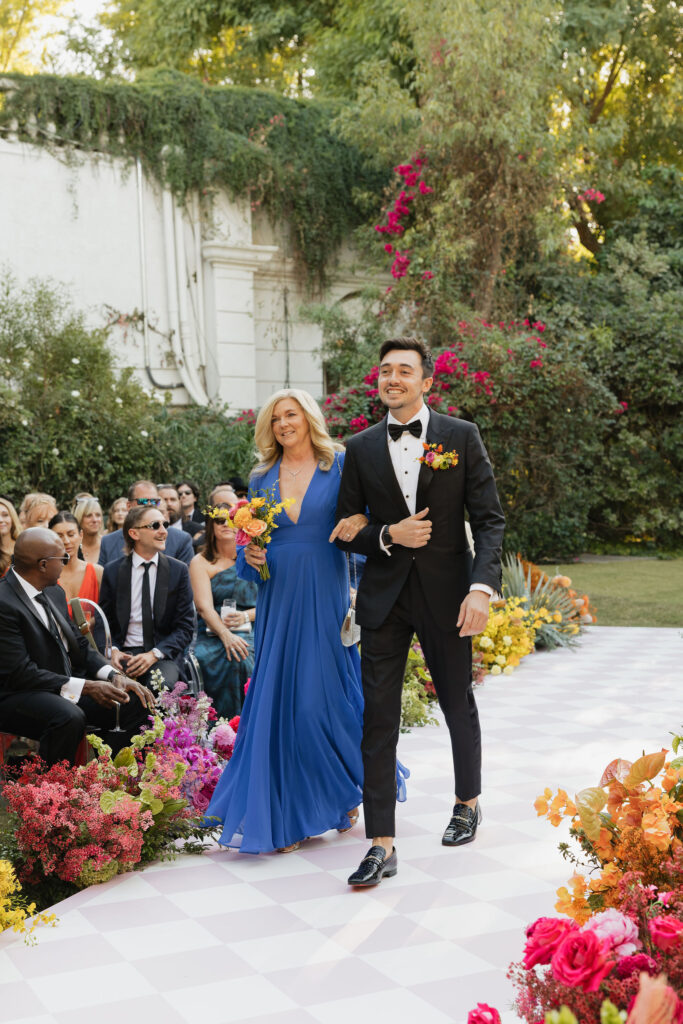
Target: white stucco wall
(214, 299)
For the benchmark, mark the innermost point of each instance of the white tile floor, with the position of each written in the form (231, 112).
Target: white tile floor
(280, 939)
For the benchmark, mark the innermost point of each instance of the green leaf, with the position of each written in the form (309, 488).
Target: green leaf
(125, 758)
(589, 803)
(108, 800)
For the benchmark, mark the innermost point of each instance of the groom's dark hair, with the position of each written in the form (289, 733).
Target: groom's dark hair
(412, 345)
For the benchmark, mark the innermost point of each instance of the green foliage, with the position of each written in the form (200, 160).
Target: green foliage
(351, 338)
(21, 22)
(280, 154)
(415, 698)
(71, 420)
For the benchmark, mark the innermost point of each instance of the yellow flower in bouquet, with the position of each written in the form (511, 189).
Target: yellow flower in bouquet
(13, 912)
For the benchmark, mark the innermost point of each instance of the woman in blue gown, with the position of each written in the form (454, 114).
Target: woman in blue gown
(296, 770)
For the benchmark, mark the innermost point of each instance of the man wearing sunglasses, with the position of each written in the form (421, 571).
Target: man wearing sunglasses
(53, 685)
(144, 493)
(147, 599)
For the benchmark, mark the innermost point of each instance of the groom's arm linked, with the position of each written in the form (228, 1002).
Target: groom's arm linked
(350, 501)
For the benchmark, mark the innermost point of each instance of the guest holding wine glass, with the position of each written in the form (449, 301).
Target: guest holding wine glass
(79, 578)
(10, 528)
(226, 607)
(88, 512)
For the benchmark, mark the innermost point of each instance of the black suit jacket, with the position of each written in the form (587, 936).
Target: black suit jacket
(30, 658)
(173, 607)
(445, 564)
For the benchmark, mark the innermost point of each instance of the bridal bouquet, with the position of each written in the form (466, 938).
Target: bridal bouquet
(254, 521)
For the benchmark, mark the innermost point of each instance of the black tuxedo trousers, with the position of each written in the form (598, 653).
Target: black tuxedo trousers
(449, 660)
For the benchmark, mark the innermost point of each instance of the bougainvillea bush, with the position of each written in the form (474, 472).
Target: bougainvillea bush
(541, 414)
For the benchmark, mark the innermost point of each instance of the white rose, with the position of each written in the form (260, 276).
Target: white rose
(144, 433)
(100, 447)
(75, 394)
(55, 451)
(75, 361)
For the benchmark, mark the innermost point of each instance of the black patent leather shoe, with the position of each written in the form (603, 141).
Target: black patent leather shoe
(462, 828)
(374, 866)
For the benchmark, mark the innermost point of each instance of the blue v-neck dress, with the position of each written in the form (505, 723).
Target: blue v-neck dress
(296, 770)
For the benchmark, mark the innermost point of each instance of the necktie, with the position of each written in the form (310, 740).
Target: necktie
(147, 619)
(54, 630)
(396, 429)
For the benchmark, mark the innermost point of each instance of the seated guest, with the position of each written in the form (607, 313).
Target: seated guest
(37, 509)
(144, 493)
(79, 578)
(147, 599)
(221, 494)
(116, 515)
(188, 493)
(88, 512)
(225, 646)
(168, 493)
(10, 528)
(239, 486)
(53, 685)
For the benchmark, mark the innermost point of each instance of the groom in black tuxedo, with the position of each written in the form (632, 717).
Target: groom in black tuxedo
(419, 578)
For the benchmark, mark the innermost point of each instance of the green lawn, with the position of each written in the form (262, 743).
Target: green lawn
(633, 592)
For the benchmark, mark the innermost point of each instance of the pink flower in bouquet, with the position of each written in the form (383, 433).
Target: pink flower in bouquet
(242, 539)
(483, 1014)
(636, 964)
(615, 928)
(543, 937)
(666, 932)
(582, 960)
(234, 723)
(223, 738)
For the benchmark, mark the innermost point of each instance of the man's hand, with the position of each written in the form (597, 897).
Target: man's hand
(141, 663)
(104, 693)
(413, 532)
(119, 660)
(145, 696)
(347, 529)
(474, 613)
(254, 556)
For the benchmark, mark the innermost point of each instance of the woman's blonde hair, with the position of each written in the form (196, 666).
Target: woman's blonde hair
(15, 530)
(84, 506)
(270, 450)
(31, 501)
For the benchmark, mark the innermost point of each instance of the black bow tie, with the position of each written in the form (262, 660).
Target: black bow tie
(396, 429)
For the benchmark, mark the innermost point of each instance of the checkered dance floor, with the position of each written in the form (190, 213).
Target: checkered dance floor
(281, 940)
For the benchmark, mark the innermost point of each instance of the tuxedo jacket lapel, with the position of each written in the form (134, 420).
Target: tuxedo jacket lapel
(123, 594)
(161, 590)
(434, 436)
(382, 465)
(28, 604)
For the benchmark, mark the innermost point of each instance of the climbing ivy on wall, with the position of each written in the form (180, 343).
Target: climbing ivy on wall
(280, 154)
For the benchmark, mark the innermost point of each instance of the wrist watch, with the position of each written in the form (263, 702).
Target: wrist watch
(386, 535)
(112, 675)
(159, 655)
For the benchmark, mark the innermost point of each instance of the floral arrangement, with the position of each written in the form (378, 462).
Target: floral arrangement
(254, 521)
(508, 637)
(436, 458)
(631, 821)
(418, 691)
(582, 610)
(617, 955)
(15, 911)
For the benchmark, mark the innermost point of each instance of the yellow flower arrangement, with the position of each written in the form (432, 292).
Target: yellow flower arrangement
(507, 638)
(631, 821)
(14, 913)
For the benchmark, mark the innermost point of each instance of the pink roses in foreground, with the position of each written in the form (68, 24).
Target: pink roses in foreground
(666, 932)
(543, 937)
(582, 960)
(483, 1014)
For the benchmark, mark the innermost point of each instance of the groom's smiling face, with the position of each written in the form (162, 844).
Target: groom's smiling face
(401, 383)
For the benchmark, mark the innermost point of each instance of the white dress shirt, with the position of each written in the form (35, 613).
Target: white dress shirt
(405, 453)
(134, 636)
(74, 687)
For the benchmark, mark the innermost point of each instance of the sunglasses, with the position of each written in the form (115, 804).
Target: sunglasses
(156, 525)
(184, 494)
(64, 559)
(147, 501)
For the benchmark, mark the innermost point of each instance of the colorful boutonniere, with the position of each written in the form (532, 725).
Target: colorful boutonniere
(436, 458)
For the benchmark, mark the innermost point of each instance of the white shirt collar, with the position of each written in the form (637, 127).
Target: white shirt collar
(422, 416)
(30, 591)
(137, 560)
